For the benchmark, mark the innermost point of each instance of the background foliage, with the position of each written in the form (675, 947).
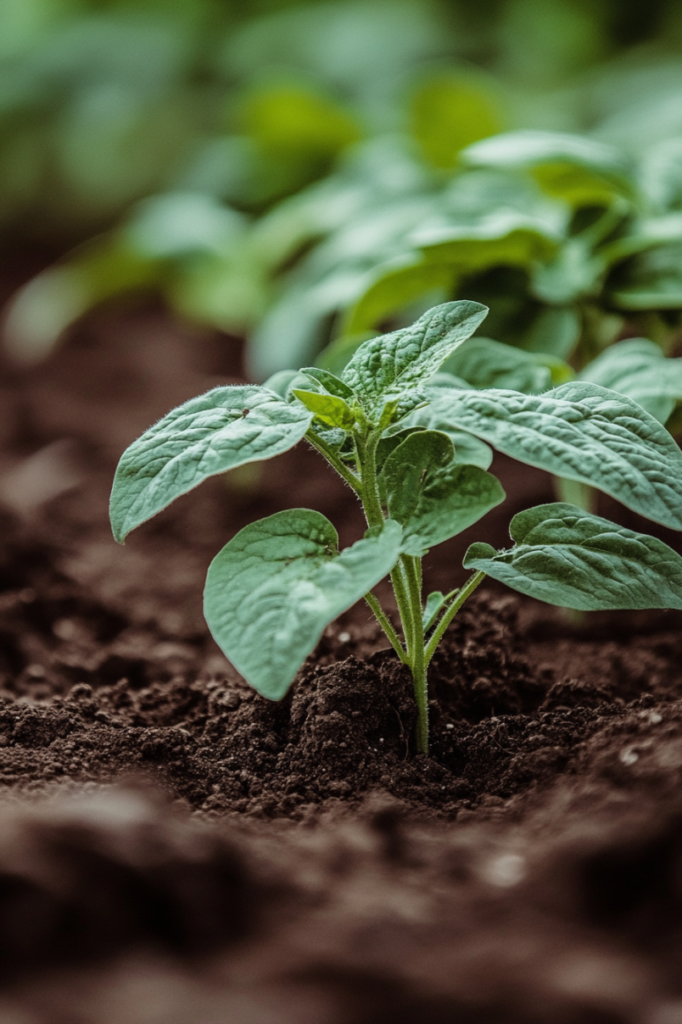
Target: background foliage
(267, 166)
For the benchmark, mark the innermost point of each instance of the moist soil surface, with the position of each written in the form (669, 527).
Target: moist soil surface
(176, 849)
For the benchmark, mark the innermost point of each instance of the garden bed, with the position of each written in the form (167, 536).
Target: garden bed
(175, 848)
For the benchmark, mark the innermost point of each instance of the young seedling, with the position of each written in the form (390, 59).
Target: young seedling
(416, 455)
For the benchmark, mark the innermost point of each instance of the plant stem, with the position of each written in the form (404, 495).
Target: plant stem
(385, 624)
(406, 579)
(450, 613)
(367, 452)
(418, 665)
(330, 455)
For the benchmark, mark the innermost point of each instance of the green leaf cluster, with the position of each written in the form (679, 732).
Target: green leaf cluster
(414, 443)
(567, 239)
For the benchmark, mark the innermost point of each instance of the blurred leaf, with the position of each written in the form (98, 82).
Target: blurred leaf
(502, 237)
(357, 46)
(292, 332)
(571, 167)
(395, 286)
(661, 175)
(451, 110)
(484, 363)
(637, 368)
(288, 120)
(181, 224)
(229, 293)
(517, 319)
(574, 272)
(650, 280)
(336, 355)
(40, 312)
(644, 234)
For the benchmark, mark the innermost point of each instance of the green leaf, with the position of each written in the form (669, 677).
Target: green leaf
(501, 237)
(210, 434)
(434, 603)
(407, 467)
(484, 363)
(393, 287)
(554, 330)
(450, 110)
(328, 408)
(469, 450)
(275, 586)
(392, 364)
(651, 280)
(431, 495)
(574, 273)
(661, 174)
(571, 558)
(638, 368)
(583, 432)
(571, 167)
(332, 384)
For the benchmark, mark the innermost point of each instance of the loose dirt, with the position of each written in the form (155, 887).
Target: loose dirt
(174, 848)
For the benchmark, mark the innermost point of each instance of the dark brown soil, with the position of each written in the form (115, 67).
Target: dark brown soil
(175, 849)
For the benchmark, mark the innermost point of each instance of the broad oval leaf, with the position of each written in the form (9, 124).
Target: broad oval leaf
(431, 495)
(582, 432)
(485, 363)
(408, 465)
(453, 498)
(274, 587)
(568, 557)
(392, 364)
(210, 434)
(638, 368)
(469, 450)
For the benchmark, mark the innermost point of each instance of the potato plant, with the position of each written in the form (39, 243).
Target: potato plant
(416, 449)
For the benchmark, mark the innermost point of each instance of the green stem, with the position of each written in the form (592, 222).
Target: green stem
(418, 664)
(385, 624)
(330, 455)
(367, 457)
(450, 613)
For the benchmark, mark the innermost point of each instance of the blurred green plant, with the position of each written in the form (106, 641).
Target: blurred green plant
(321, 172)
(565, 237)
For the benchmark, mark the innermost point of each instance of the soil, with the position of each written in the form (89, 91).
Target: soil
(176, 849)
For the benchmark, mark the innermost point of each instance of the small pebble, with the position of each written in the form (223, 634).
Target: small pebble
(344, 637)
